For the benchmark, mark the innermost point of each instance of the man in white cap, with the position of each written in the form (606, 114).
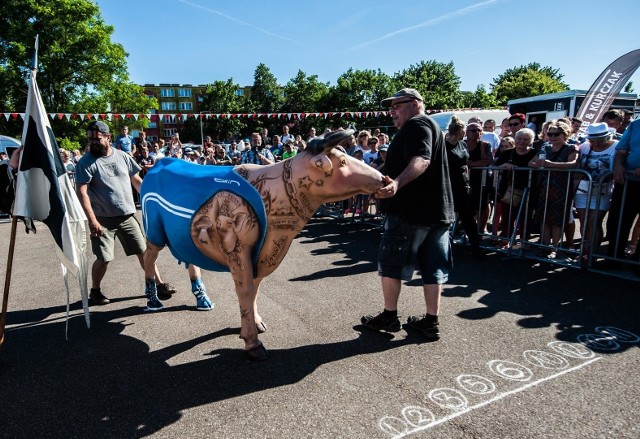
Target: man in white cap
(418, 203)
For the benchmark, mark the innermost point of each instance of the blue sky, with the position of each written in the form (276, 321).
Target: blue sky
(200, 41)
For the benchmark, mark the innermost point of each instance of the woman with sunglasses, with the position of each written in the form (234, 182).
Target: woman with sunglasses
(556, 189)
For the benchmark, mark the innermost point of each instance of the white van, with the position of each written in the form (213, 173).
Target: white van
(444, 118)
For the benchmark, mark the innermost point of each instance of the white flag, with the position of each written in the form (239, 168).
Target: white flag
(45, 193)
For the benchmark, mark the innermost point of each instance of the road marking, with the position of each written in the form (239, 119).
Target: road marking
(495, 398)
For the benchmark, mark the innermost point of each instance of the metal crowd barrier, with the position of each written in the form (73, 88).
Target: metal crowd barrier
(524, 239)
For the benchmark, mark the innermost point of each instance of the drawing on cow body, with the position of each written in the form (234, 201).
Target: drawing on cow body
(247, 219)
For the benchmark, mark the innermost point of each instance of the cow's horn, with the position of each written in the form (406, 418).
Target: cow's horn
(329, 140)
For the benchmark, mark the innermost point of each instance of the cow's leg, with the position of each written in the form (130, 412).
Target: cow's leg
(246, 291)
(260, 324)
(149, 259)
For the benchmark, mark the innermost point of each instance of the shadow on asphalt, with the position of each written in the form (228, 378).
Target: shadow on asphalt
(570, 300)
(108, 384)
(97, 391)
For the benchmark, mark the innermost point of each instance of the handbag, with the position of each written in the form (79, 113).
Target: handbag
(512, 196)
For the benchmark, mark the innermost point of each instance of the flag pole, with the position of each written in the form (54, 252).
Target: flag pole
(7, 279)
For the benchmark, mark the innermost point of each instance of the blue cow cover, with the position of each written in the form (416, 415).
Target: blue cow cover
(173, 191)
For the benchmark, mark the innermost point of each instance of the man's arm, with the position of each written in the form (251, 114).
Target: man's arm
(136, 181)
(94, 225)
(416, 167)
(619, 168)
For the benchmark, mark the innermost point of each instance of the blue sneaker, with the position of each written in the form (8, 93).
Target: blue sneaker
(151, 291)
(154, 304)
(203, 303)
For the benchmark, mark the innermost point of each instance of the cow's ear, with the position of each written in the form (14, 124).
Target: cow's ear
(322, 163)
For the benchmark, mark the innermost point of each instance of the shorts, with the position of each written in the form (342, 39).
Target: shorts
(405, 247)
(129, 233)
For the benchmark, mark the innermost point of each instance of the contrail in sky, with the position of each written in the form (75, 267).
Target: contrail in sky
(437, 20)
(244, 23)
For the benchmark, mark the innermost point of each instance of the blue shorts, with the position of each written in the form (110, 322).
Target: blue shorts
(405, 247)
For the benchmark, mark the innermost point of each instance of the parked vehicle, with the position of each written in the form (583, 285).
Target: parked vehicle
(444, 118)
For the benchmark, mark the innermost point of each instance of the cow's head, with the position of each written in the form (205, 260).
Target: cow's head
(333, 174)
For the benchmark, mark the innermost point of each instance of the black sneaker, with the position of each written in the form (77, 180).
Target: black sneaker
(165, 291)
(97, 298)
(431, 330)
(381, 323)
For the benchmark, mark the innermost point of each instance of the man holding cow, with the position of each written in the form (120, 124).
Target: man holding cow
(418, 203)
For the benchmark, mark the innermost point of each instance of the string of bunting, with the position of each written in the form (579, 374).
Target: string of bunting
(182, 117)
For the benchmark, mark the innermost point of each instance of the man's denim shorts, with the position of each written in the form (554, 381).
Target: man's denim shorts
(405, 247)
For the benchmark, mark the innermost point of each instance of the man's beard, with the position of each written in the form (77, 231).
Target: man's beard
(98, 150)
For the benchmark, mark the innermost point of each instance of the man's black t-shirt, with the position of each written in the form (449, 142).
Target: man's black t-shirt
(428, 199)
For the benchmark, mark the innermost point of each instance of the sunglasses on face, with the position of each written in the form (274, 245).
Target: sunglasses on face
(554, 133)
(515, 124)
(474, 131)
(395, 106)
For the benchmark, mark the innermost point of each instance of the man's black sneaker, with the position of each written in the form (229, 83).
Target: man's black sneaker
(165, 290)
(381, 323)
(430, 329)
(97, 298)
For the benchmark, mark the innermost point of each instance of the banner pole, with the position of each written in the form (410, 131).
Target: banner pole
(7, 279)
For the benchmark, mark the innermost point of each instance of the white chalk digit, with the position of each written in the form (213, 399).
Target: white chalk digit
(392, 425)
(599, 342)
(417, 416)
(510, 370)
(620, 335)
(572, 350)
(476, 384)
(448, 398)
(545, 359)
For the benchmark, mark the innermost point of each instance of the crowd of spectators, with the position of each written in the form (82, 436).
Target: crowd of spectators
(478, 155)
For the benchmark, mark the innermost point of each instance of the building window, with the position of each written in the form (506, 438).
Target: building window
(186, 106)
(184, 92)
(153, 125)
(239, 92)
(167, 92)
(168, 105)
(170, 132)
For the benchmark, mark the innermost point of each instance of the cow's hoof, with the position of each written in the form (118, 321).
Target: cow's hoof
(258, 353)
(261, 327)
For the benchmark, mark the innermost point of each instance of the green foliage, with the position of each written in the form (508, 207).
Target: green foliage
(68, 144)
(79, 67)
(437, 83)
(525, 81)
(478, 99)
(359, 90)
(266, 94)
(629, 87)
(220, 97)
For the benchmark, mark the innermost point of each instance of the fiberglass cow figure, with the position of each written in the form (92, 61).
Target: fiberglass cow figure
(244, 218)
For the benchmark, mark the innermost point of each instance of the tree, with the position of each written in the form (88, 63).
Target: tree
(219, 98)
(629, 87)
(266, 94)
(357, 90)
(77, 62)
(478, 99)
(437, 83)
(525, 81)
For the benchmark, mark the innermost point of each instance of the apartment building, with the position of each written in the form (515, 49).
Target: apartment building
(176, 99)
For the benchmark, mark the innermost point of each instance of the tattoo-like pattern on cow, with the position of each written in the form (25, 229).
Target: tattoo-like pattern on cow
(273, 259)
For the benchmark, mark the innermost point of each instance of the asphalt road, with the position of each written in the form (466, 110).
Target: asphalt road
(528, 350)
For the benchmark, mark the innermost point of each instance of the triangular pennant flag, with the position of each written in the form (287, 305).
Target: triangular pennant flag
(67, 116)
(81, 115)
(135, 116)
(7, 115)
